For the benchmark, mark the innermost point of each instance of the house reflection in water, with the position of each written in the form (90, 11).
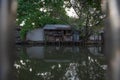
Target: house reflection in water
(60, 63)
(60, 53)
(96, 50)
(35, 52)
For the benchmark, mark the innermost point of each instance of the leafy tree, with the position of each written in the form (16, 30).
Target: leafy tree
(89, 15)
(37, 13)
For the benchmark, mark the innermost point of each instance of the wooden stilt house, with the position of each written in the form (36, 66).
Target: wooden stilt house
(57, 33)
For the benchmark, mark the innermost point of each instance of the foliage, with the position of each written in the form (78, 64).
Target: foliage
(37, 13)
(89, 15)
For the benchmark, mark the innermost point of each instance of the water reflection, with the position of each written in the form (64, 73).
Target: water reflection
(60, 63)
(35, 52)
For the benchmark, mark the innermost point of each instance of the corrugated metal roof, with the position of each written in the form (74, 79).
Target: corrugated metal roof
(56, 26)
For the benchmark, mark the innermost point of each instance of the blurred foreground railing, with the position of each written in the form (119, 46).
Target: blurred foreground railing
(7, 23)
(112, 38)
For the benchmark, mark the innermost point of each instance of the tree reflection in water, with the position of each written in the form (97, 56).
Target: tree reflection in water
(60, 63)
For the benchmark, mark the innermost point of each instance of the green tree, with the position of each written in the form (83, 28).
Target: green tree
(37, 13)
(89, 14)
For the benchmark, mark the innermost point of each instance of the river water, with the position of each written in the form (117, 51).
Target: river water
(60, 63)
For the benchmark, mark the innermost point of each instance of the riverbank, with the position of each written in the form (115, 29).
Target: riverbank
(59, 43)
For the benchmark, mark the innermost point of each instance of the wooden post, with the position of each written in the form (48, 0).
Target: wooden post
(7, 37)
(112, 38)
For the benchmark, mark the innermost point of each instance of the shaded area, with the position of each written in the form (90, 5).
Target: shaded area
(59, 63)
